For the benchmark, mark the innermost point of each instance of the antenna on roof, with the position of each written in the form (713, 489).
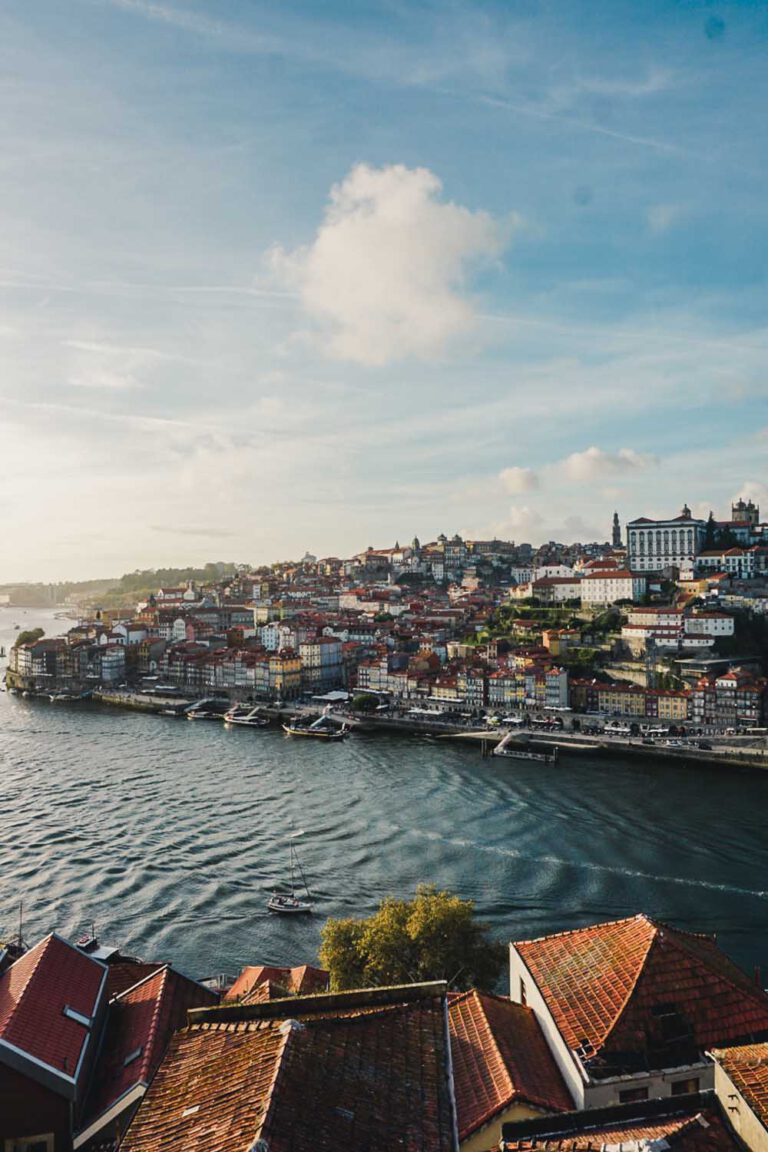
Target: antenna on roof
(21, 945)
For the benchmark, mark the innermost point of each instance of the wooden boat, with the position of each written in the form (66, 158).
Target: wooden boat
(207, 709)
(321, 728)
(291, 905)
(246, 716)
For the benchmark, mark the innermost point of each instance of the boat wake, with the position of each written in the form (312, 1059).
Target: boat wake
(585, 865)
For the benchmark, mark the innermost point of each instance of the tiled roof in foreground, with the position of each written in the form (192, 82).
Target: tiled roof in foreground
(690, 1124)
(140, 1024)
(48, 1001)
(637, 993)
(353, 1072)
(747, 1067)
(500, 1057)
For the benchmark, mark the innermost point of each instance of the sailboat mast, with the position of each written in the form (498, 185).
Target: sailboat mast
(303, 877)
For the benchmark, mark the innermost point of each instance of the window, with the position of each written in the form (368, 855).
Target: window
(30, 1143)
(684, 1087)
(631, 1095)
(523, 996)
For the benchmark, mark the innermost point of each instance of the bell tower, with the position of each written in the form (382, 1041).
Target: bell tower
(616, 537)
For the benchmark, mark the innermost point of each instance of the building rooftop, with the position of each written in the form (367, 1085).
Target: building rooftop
(635, 994)
(140, 1024)
(339, 1073)
(687, 1124)
(747, 1067)
(300, 981)
(48, 1001)
(500, 1057)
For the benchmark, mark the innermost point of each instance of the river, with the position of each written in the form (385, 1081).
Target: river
(170, 835)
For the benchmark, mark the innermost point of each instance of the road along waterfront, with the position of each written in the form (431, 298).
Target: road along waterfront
(171, 835)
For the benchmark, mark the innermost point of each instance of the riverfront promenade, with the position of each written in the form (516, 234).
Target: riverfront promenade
(732, 750)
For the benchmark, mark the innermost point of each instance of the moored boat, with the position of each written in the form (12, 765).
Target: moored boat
(208, 709)
(297, 728)
(321, 728)
(525, 752)
(246, 716)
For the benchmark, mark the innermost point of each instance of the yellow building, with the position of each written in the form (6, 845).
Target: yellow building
(673, 706)
(622, 700)
(285, 674)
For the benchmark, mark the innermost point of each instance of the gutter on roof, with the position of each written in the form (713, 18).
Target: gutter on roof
(130, 1096)
(53, 1078)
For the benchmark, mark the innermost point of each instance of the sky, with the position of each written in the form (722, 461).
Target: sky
(290, 276)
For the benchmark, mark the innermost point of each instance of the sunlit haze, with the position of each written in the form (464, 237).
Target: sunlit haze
(301, 276)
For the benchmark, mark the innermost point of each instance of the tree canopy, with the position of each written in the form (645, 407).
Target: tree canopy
(364, 702)
(29, 636)
(434, 936)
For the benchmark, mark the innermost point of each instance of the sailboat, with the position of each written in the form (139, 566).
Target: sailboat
(291, 905)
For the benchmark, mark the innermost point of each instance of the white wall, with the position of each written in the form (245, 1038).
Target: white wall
(740, 1116)
(563, 1057)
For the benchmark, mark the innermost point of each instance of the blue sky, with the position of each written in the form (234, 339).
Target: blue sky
(277, 277)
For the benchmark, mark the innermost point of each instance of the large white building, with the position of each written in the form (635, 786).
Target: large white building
(609, 585)
(653, 545)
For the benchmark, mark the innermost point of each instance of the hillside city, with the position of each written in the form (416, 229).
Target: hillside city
(663, 625)
(627, 1034)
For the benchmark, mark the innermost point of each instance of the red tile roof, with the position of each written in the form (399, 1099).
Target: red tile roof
(636, 993)
(211, 1091)
(692, 1131)
(124, 974)
(140, 1024)
(35, 992)
(500, 1057)
(747, 1067)
(303, 980)
(340, 1081)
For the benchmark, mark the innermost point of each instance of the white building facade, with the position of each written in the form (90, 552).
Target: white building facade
(653, 545)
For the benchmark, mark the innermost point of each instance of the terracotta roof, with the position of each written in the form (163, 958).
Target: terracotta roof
(140, 1024)
(375, 1079)
(499, 1056)
(690, 1131)
(636, 993)
(747, 1067)
(302, 980)
(39, 994)
(124, 974)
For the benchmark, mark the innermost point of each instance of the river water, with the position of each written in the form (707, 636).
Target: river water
(170, 835)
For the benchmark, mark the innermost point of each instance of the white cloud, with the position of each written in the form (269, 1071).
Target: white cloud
(521, 522)
(662, 217)
(593, 463)
(517, 480)
(753, 490)
(104, 379)
(386, 269)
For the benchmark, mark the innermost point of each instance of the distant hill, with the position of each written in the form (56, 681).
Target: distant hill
(116, 592)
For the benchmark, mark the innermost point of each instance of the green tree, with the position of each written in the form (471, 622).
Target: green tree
(710, 534)
(341, 952)
(29, 637)
(364, 702)
(434, 936)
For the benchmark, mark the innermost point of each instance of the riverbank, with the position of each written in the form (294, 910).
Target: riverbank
(569, 744)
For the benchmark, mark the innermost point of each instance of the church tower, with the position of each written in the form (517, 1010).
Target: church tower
(616, 540)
